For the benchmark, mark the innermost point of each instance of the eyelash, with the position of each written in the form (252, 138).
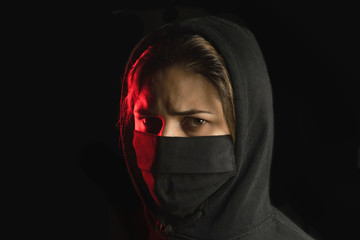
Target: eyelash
(192, 122)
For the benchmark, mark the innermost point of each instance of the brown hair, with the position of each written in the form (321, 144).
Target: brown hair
(194, 54)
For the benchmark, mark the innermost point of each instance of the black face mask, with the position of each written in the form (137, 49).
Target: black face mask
(182, 172)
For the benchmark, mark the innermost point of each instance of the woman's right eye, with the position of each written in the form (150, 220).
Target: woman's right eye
(152, 125)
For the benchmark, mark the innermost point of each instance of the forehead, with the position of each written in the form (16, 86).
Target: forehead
(175, 88)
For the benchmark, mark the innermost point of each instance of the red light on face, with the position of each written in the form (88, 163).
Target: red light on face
(145, 154)
(146, 120)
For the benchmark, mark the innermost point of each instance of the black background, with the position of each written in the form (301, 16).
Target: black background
(311, 48)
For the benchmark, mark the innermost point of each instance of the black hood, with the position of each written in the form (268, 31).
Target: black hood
(241, 209)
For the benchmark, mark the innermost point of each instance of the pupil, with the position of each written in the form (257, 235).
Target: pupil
(199, 121)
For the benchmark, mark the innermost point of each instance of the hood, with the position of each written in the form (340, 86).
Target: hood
(243, 202)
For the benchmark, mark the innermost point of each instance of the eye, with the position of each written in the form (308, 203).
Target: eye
(190, 123)
(152, 125)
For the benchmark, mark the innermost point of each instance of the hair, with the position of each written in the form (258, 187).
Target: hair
(194, 54)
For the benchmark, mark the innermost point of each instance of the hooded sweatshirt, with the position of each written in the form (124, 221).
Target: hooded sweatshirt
(240, 208)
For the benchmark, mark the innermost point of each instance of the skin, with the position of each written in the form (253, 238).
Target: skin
(178, 103)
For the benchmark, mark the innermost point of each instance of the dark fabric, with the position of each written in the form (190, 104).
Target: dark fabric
(241, 208)
(182, 172)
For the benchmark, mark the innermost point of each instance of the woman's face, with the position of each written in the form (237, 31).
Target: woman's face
(179, 104)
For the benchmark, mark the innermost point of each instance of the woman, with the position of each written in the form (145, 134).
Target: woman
(197, 133)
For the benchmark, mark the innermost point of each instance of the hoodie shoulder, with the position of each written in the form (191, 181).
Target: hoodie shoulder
(288, 229)
(276, 227)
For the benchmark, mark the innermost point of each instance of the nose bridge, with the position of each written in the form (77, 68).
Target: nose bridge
(171, 128)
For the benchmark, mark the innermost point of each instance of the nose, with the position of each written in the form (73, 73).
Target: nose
(172, 128)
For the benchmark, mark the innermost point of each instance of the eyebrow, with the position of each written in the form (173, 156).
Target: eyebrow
(188, 112)
(143, 111)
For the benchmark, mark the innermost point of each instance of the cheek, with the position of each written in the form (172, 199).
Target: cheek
(138, 125)
(218, 127)
(141, 102)
(222, 126)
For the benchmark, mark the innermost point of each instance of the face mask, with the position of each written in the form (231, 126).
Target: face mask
(182, 172)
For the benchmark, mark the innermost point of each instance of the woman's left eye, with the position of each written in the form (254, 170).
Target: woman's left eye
(193, 122)
(198, 121)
